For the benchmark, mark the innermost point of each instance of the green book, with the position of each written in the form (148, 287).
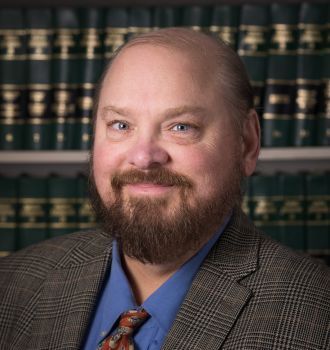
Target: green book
(224, 23)
(166, 16)
(318, 215)
(247, 201)
(281, 76)
(86, 218)
(197, 18)
(116, 30)
(12, 78)
(139, 21)
(91, 63)
(253, 48)
(32, 210)
(265, 201)
(62, 205)
(39, 51)
(8, 215)
(65, 71)
(309, 61)
(323, 122)
(292, 210)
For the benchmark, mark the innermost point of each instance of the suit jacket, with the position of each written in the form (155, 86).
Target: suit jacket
(250, 293)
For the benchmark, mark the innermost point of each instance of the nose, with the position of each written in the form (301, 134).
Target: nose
(147, 154)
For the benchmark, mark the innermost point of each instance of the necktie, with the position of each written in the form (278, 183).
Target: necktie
(122, 338)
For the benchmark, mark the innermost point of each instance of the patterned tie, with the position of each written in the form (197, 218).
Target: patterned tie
(122, 338)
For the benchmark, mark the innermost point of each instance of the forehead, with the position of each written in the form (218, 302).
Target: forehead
(146, 74)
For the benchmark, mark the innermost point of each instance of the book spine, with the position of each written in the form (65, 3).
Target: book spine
(165, 16)
(317, 215)
(91, 62)
(116, 30)
(323, 125)
(39, 50)
(62, 205)
(197, 18)
(86, 217)
(253, 48)
(224, 23)
(292, 211)
(12, 78)
(265, 202)
(32, 211)
(309, 61)
(139, 21)
(64, 77)
(8, 215)
(281, 77)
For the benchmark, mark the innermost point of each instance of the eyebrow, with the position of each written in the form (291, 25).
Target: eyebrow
(168, 113)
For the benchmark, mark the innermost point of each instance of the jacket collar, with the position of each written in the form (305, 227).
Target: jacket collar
(216, 297)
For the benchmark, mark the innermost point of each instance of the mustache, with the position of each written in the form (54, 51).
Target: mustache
(159, 176)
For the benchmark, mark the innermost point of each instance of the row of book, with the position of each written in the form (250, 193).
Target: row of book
(33, 209)
(51, 60)
(292, 208)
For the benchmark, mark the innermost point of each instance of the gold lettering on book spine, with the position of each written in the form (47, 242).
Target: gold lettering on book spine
(279, 99)
(282, 37)
(306, 99)
(90, 42)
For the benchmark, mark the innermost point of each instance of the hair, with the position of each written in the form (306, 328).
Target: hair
(229, 71)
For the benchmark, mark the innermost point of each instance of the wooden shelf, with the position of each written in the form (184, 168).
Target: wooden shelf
(72, 162)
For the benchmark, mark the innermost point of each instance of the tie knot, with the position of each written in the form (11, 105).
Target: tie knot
(132, 319)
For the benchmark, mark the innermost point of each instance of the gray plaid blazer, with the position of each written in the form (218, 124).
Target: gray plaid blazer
(250, 293)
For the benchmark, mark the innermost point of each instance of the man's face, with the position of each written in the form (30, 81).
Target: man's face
(164, 146)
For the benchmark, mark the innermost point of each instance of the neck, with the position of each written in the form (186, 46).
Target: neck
(146, 278)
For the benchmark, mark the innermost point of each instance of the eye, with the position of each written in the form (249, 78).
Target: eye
(181, 127)
(119, 125)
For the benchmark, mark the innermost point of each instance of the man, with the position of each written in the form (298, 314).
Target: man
(175, 135)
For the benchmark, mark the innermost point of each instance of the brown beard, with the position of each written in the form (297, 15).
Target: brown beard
(149, 229)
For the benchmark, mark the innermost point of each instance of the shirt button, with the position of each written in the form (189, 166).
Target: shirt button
(103, 333)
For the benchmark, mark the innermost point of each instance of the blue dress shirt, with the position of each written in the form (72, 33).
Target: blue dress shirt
(162, 305)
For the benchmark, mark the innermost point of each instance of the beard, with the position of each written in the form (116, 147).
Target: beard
(158, 230)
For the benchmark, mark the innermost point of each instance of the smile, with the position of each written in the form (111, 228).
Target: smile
(148, 188)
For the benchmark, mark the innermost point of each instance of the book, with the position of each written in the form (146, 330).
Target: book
(224, 23)
(12, 78)
(32, 210)
(292, 210)
(91, 62)
(318, 215)
(86, 218)
(323, 121)
(64, 77)
(39, 51)
(280, 91)
(139, 21)
(265, 202)
(308, 81)
(253, 48)
(165, 16)
(116, 30)
(8, 215)
(197, 18)
(62, 205)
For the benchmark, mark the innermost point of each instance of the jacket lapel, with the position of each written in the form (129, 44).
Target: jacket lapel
(216, 297)
(68, 297)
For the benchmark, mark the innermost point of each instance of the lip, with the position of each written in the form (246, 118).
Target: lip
(148, 188)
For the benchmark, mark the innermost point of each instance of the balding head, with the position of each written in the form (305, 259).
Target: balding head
(213, 58)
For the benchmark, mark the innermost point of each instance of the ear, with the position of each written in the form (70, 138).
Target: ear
(251, 142)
